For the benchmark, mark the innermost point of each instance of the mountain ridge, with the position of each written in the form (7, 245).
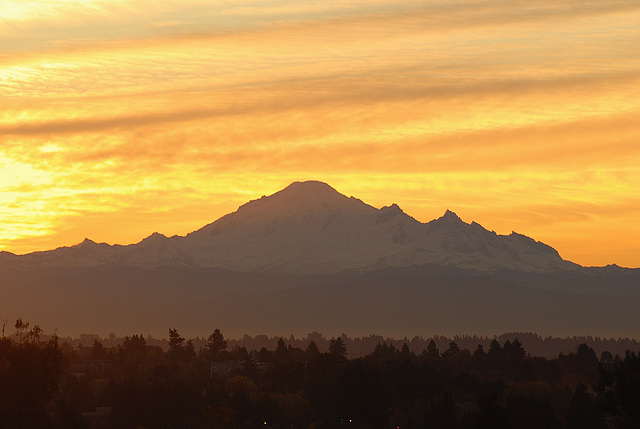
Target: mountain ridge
(310, 227)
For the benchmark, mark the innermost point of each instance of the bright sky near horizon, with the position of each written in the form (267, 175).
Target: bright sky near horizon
(119, 118)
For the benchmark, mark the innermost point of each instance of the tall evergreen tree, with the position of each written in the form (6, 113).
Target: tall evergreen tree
(479, 352)
(281, 352)
(338, 348)
(517, 349)
(495, 349)
(432, 350)
(312, 350)
(452, 351)
(215, 344)
(175, 345)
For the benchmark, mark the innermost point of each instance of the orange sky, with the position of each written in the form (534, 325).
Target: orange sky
(119, 118)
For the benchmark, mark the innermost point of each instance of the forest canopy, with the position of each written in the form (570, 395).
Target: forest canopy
(48, 382)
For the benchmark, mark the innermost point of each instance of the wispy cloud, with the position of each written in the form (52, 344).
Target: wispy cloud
(517, 114)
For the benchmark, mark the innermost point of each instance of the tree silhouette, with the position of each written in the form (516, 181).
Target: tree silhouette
(479, 352)
(281, 352)
(132, 356)
(33, 336)
(452, 351)
(98, 351)
(405, 352)
(312, 350)
(495, 350)
(30, 373)
(175, 340)
(507, 348)
(265, 355)
(175, 345)
(619, 391)
(215, 344)
(432, 350)
(21, 327)
(384, 352)
(337, 348)
(240, 353)
(189, 352)
(587, 356)
(517, 350)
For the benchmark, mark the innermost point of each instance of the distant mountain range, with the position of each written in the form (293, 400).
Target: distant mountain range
(309, 227)
(309, 258)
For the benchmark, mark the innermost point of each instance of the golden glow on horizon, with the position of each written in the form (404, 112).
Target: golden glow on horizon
(121, 118)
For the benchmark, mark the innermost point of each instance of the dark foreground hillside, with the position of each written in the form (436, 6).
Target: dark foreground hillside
(137, 385)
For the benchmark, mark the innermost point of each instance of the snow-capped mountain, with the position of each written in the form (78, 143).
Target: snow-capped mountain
(309, 227)
(308, 258)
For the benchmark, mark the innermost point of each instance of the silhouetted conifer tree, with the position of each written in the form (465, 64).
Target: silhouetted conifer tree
(495, 350)
(404, 351)
(215, 344)
(432, 350)
(337, 348)
(517, 350)
(619, 391)
(281, 352)
(312, 350)
(479, 352)
(452, 351)
(587, 356)
(176, 350)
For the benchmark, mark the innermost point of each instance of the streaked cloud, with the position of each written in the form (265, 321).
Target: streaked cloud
(124, 117)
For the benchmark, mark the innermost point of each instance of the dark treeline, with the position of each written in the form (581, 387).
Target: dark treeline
(47, 382)
(536, 345)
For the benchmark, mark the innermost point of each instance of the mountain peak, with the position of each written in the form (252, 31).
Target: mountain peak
(310, 194)
(86, 242)
(300, 203)
(156, 236)
(303, 197)
(450, 215)
(391, 212)
(309, 189)
(310, 185)
(392, 208)
(448, 218)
